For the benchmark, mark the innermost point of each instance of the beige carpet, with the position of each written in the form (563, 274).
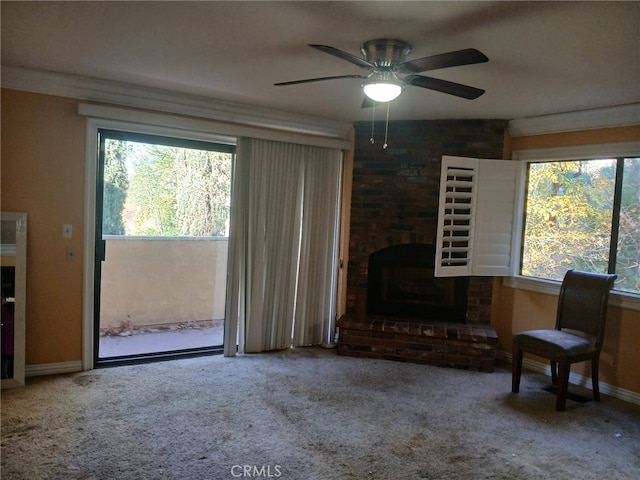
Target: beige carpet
(309, 414)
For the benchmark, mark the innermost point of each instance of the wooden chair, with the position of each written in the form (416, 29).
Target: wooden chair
(582, 309)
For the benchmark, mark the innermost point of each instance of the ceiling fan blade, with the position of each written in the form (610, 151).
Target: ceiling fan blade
(467, 56)
(319, 79)
(344, 56)
(444, 86)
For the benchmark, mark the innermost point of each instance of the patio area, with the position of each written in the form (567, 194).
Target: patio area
(169, 337)
(162, 294)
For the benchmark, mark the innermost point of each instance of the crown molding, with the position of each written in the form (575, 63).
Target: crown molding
(616, 116)
(123, 94)
(137, 96)
(214, 131)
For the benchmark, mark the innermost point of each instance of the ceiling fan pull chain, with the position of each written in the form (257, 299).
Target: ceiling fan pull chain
(386, 128)
(373, 121)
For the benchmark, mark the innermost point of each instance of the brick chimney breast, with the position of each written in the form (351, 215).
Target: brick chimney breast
(395, 196)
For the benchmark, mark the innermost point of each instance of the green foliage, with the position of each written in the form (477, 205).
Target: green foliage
(569, 220)
(116, 184)
(153, 192)
(180, 191)
(203, 194)
(628, 252)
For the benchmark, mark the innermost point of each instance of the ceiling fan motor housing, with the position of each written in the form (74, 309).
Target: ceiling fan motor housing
(385, 52)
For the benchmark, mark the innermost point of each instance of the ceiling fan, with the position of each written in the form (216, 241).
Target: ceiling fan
(390, 73)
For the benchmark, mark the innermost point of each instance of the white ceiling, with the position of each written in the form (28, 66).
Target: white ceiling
(544, 57)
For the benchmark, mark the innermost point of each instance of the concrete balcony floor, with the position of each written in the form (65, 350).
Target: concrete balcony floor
(135, 341)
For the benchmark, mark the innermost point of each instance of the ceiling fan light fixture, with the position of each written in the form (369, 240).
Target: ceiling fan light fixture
(382, 90)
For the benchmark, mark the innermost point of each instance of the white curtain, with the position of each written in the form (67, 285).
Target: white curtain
(283, 245)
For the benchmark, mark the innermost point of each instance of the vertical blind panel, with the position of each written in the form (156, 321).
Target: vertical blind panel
(283, 249)
(237, 295)
(276, 174)
(286, 241)
(315, 303)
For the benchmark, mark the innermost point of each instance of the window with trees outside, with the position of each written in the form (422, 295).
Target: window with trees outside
(583, 214)
(168, 187)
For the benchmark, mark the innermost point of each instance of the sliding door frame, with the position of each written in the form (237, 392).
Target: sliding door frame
(92, 219)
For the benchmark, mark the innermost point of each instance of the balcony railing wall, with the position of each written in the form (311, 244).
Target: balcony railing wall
(152, 281)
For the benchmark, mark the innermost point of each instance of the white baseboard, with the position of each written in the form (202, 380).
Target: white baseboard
(52, 368)
(576, 379)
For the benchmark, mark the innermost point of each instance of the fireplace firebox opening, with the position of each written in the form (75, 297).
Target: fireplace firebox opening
(401, 283)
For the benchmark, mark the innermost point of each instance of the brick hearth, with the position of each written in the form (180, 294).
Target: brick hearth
(395, 200)
(418, 341)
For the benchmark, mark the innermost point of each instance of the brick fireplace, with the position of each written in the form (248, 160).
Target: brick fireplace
(394, 206)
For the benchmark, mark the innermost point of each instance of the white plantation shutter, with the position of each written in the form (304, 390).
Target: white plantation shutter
(475, 217)
(456, 213)
(496, 207)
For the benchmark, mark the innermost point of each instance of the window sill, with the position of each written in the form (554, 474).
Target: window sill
(628, 301)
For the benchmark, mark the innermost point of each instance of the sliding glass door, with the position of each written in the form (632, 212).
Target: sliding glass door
(162, 220)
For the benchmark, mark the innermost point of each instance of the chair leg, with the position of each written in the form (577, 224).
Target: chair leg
(554, 373)
(564, 368)
(594, 377)
(516, 368)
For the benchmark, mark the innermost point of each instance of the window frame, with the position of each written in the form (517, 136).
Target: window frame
(618, 298)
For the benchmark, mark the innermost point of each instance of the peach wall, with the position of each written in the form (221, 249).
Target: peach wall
(516, 310)
(43, 165)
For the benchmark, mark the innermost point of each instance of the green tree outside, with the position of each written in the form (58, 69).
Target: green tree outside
(568, 224)
(203, 192)
(628, 252)
(569, 220)
(179, 191)
(116, 184)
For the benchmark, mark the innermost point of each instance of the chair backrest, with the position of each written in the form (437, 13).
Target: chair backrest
(582, 304)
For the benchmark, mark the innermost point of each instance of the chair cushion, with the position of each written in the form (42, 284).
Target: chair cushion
(555, 342)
